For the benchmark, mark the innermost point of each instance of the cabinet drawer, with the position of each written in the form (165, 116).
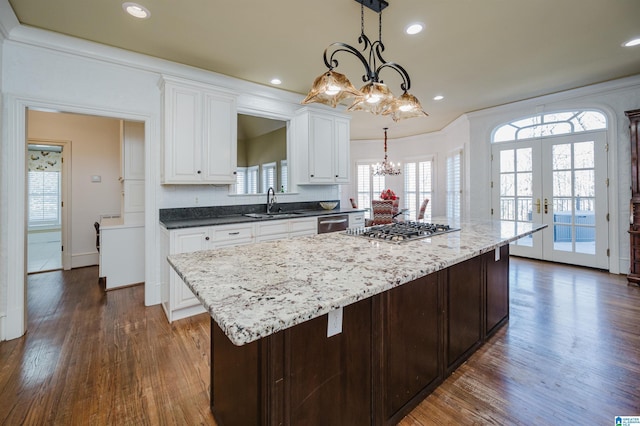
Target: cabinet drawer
(278, 227)
(231, 233)
(304, 226)
(356, 220)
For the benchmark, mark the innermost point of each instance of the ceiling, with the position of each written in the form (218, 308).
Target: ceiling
(477, 54)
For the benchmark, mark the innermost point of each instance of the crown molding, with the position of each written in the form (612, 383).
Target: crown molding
(55, 42)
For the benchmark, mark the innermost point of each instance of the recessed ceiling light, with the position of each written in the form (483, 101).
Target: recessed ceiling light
(631, 43)
(136, 10)
(276, 81)
(414, 28)
(438, 98)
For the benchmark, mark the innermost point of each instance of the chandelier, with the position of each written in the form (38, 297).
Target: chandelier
(375, 97)
(386, 168)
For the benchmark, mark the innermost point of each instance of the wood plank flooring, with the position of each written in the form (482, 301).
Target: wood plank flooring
(569, 355)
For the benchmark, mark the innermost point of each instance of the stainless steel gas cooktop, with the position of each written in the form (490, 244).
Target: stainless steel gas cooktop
(401, 232)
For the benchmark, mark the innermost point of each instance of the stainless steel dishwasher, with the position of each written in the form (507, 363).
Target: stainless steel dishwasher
(333, 223)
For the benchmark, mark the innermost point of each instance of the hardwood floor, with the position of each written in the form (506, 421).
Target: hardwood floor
(569, 355)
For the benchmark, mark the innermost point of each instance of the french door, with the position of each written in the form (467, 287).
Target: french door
(559, 181)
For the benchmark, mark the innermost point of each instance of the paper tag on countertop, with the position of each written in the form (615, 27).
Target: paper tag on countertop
(497, 254)
(334, 322)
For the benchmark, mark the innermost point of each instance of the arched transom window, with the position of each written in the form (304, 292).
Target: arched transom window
(551, 124)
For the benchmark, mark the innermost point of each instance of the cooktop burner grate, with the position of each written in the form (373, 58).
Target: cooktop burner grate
(401, 232)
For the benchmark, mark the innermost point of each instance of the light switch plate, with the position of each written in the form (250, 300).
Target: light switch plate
(334, 322)
(96, 178)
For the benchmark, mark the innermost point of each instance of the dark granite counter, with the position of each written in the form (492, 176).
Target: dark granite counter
(189, 217)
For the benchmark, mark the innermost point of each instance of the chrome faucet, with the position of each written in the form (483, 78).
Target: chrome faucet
(271, 199)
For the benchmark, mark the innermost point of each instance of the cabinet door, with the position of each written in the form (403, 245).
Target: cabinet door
(329, 378)
(356, 220)
(463, 307)
(183, 135)
(219, 138)
(497, 288)
(187, 241)
(302, 227)
(411, 347)
(321, 147)
(341, 151)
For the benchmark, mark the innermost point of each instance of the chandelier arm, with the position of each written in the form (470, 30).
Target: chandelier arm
(332, 63)
(406, 83)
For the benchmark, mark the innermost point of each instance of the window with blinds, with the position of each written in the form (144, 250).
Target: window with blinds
(454, 184)
(268, 176)
(369, 187)
(44, 198)
(284, 176)
(247, 180)
(418, 185)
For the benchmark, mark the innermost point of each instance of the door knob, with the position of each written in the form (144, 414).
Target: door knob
(538, 205)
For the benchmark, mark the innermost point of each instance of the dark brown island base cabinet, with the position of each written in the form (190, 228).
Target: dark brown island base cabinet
(634, 227)
(395, 348)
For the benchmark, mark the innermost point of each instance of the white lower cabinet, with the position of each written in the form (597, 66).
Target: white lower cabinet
(356, 220)
(177, 299)
(278, 229)
(301, 227)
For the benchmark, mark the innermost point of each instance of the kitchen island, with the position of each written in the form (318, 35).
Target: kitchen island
(401, 318)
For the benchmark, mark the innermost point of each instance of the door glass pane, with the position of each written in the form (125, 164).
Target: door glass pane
(573, 197)
(562, 184)
(524, 160)
(507, 187)
(525, 184)
(506, 161)
(507, 209)
(585, 183)
(516, 187)
(525, 208)
(583, 152)
(562, 239)
(561, 157)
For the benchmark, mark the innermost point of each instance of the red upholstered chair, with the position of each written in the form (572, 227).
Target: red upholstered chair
(382, 212)
(396, 207)
(423, 208)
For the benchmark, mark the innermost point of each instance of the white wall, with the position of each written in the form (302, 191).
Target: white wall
(53, 72)
(95, 150)
(437, 145)
(612, 98)
(472, 132)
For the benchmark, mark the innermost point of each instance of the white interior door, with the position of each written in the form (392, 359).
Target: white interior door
(561, 182)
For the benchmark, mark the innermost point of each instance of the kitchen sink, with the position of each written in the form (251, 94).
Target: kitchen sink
(279, 215)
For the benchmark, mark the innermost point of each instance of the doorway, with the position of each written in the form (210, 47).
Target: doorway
(47, 183)
(559, 181)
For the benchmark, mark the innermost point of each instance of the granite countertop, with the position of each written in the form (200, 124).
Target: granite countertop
(253, 291)
(225, 219)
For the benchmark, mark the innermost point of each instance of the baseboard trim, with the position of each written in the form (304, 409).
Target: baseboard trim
(81, 260)
(2, 332)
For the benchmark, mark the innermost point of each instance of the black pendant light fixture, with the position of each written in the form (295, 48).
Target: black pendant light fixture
(375, 97)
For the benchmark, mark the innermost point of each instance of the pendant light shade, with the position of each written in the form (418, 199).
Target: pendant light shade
(407, 106)
(331, 88)
(376, 98)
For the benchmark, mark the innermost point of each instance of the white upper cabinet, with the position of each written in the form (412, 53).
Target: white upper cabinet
(200, 125)
(323, 147)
